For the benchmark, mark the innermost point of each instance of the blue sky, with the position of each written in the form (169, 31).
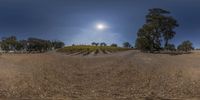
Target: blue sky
(74, 21)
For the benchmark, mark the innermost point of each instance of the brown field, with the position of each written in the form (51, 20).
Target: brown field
(127, 75)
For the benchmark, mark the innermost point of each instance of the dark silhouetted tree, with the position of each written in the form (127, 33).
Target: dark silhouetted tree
(169, 24)
(103, 44)
(94, 44)
(57, 44)
(158, 24)
(126, 45)
(113, 45)
(35, 44)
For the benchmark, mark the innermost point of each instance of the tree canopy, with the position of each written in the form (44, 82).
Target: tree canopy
(126, 45)
(31, 44)
(185, 46)
(114, 45)
(159, 26)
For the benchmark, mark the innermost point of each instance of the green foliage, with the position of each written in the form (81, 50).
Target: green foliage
(5, 46)
(95, 44)
(114, 45)
(143, 44)
(126, 45)
(35, 44)
(57, 44)
(32, 44)
(170, 47)
(9, 43)
(185, 46)
(158, 26)
(19, 46)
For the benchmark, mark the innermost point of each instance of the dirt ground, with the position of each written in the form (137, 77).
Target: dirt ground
(128, 75)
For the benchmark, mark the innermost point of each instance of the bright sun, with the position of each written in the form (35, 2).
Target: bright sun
(100, 26)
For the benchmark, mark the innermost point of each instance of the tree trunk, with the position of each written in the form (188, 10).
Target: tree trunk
(166, 42)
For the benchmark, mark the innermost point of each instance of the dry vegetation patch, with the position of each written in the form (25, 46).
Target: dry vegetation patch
(87, 50)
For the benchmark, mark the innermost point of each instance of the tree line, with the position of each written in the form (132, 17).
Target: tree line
(125, 44)
(11, 43)
(157, 31)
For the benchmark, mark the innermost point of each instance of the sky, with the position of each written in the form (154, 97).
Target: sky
(75, 21)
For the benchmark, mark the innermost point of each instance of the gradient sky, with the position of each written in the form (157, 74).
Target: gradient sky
(74, 21)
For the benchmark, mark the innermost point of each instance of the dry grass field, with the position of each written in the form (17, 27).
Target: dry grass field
(127, 75)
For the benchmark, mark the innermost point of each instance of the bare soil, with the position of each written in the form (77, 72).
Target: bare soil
(128, 75)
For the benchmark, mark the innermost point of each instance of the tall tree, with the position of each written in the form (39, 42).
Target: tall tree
(147, 40)
(158, 24)
(168, 25)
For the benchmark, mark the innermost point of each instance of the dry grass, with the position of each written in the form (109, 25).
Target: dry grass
(122, 76)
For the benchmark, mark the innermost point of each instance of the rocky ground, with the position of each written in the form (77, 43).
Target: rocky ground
(128, 75)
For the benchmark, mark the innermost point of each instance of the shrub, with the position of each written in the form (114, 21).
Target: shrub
(170, 47)
(185, 46)
(113, 45)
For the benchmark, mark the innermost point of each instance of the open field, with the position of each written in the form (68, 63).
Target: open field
(85, 50)
(127, 75)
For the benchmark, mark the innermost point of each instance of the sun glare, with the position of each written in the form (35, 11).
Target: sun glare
(100, 26)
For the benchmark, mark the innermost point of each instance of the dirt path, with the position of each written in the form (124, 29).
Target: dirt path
(119, 76)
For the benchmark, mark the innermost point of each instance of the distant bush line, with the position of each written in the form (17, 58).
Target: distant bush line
(11, 44)
(125, 44)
